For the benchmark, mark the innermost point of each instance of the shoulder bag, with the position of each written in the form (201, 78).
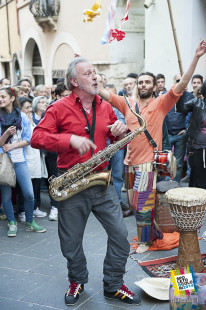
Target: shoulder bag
(7, 172)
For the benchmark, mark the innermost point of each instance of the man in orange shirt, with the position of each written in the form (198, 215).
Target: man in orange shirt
(140, 177)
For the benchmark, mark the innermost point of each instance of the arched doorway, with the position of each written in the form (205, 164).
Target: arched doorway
(63, 55)
(37, 70)
(33, 62)
(16, 72)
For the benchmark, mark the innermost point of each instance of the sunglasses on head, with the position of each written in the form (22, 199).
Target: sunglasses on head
(7, 87)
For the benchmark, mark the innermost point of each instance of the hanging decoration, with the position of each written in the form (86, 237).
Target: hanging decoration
(110, 33)
(109, 23)
(93, 12)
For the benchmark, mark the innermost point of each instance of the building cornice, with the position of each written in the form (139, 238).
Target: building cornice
(21, 4)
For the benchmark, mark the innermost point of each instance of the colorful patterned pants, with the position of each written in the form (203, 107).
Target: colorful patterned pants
(140, 183)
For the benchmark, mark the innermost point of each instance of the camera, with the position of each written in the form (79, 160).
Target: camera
(148, 3)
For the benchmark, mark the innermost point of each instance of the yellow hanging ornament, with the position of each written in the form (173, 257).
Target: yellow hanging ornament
(93, 12)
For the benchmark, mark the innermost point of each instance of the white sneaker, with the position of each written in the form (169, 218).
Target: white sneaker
(22, 217)
(123, 188)
(53, 216)
(39, 213)
(12, 229)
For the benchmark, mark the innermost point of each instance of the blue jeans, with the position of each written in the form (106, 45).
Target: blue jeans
(36, 189)
(116, 163)
(24, 180)
(179, 152)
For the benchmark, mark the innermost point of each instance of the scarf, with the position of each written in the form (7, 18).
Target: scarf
(36, 121)
(10, 119)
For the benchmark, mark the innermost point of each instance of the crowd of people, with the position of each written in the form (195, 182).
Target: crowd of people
(48, 130)
(21, 109)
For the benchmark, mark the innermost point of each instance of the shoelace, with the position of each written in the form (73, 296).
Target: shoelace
(126, 290)
(72, 288)
(12, 227)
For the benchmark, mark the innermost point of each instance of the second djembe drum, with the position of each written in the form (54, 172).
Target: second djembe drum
(188, 209)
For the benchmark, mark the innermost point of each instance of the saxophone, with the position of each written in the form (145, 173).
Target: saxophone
(80, 177)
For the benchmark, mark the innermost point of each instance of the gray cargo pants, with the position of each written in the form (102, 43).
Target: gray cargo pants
(72, 219)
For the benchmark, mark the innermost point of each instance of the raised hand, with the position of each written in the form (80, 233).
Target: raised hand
(201, 49)
(11, 131)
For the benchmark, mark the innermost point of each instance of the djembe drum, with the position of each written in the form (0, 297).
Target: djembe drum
(188, 209)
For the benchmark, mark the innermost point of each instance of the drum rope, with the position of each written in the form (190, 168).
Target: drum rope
(192, 219)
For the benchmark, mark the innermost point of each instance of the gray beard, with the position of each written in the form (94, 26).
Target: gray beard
(89, 91)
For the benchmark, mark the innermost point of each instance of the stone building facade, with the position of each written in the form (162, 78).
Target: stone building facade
(41, 46)
(41, 42)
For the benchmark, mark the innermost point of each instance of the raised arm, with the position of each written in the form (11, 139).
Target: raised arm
(200, 51)
(105, 94)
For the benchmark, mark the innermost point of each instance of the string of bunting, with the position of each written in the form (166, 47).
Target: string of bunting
(110, 33)
(109, 23)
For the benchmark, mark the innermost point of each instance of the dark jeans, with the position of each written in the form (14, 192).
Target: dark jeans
(179, 152)
(51, 164)
(73, 216)
(198, 172)
(117, 166)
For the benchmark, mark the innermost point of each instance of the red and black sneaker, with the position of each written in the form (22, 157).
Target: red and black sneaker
(124, 295)
(72, 295)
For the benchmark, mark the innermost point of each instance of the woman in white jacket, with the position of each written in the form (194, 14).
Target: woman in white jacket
(34, 164)
(15, 134)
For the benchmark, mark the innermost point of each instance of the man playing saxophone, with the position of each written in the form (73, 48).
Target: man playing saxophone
(76, 127)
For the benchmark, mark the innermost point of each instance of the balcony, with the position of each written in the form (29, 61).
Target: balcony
(46, 13)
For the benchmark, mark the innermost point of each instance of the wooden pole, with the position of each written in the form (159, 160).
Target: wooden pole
(175, 38)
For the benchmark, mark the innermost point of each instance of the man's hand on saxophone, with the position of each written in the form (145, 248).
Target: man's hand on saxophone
(118, 129)
(81, 144)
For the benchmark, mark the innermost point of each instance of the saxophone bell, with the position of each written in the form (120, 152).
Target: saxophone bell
(63, 193)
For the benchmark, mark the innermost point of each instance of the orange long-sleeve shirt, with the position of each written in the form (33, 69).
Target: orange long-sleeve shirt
(139, 150)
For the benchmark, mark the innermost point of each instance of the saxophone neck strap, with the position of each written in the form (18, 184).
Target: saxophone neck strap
(91, 129)
(147, 134)
(149, 137)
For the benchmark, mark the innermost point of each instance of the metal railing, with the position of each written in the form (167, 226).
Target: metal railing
(44, 8)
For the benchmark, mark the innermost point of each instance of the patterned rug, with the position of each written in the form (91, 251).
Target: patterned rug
(161, 267)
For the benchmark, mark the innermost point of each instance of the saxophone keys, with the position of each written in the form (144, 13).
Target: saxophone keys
(84, 182)
(74, 187)
(64, 194)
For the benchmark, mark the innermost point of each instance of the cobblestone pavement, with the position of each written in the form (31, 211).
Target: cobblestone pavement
(33, 273)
